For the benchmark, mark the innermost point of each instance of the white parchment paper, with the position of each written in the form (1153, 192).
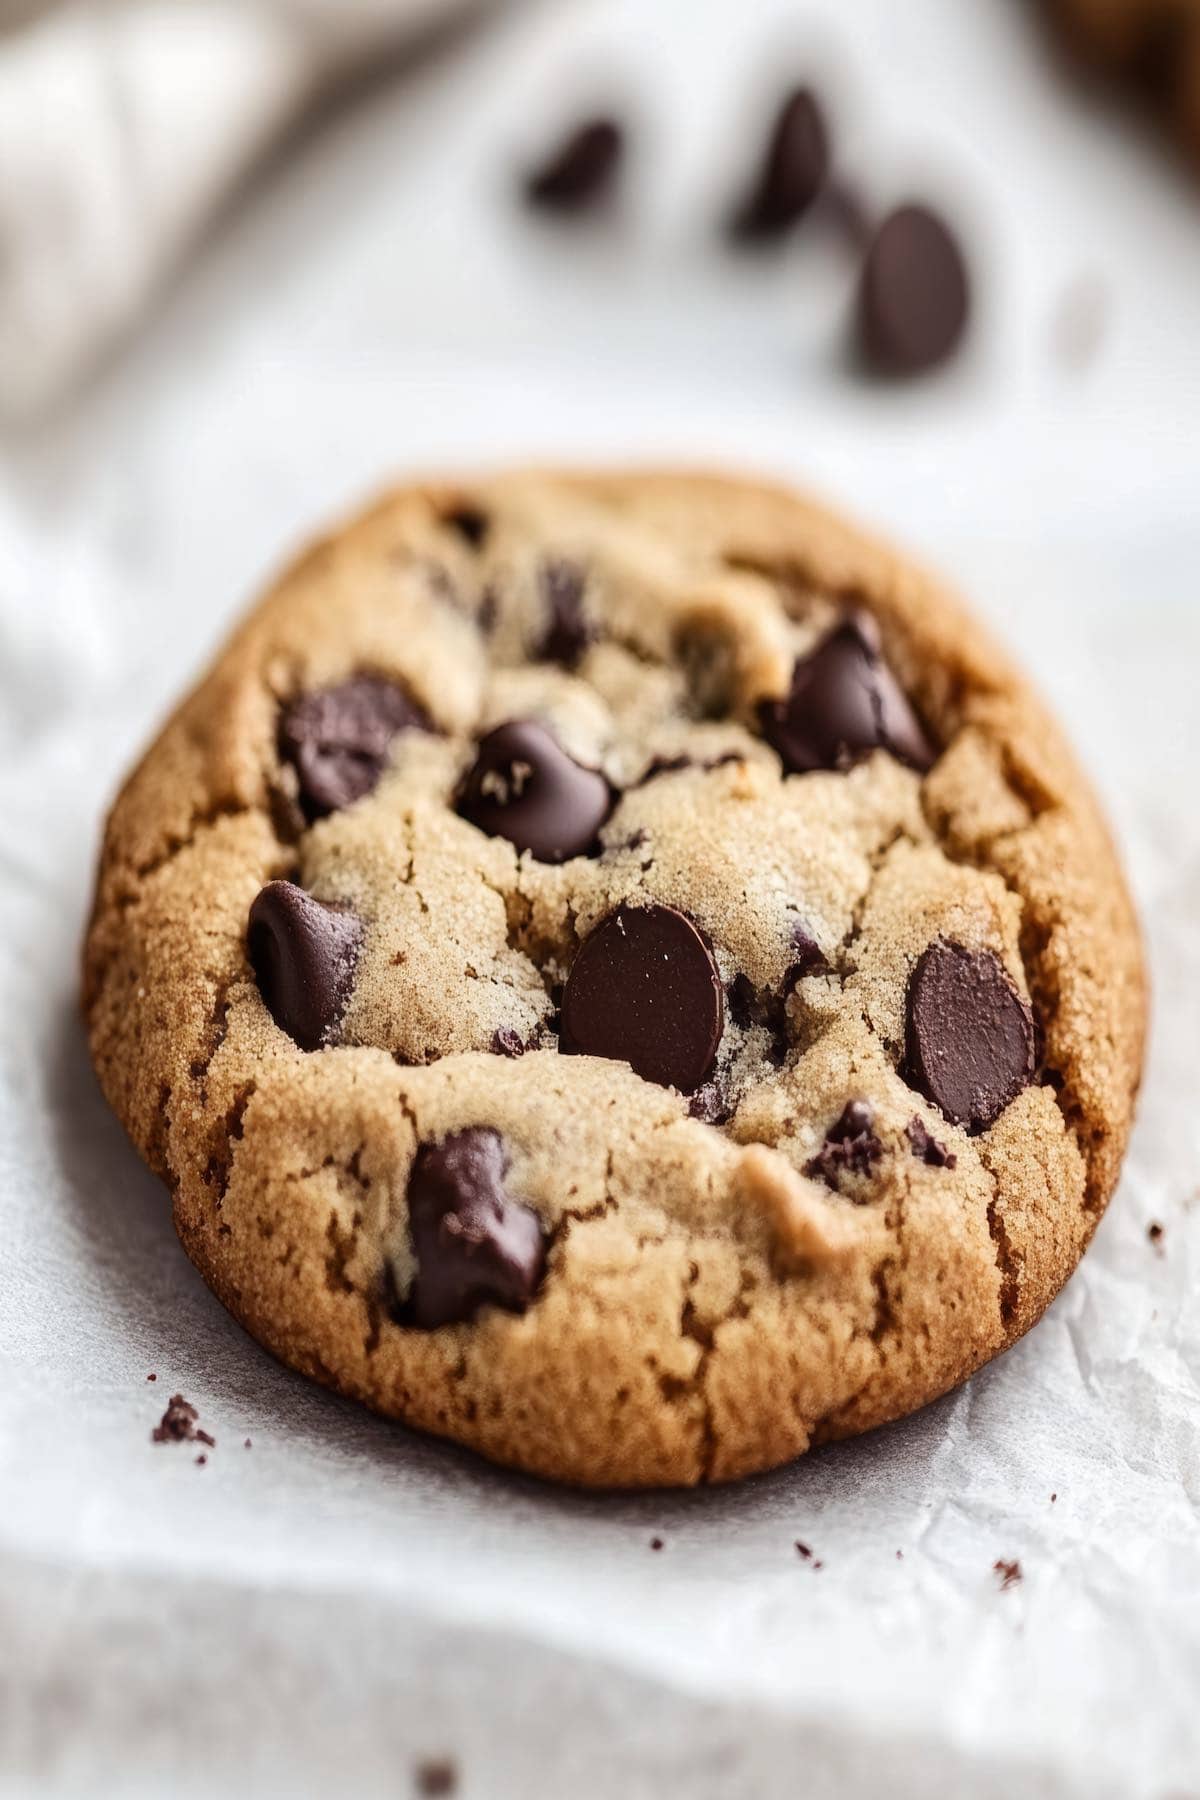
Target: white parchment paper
(319, 1612)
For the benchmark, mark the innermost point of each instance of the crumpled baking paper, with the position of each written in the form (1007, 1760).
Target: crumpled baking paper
(340, 1602)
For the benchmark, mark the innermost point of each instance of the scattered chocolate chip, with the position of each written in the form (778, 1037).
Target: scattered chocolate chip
(969, 1044)
(470, 522)
(338, 739)
(793, 171)
(844, 702)
(436, 1777)
(581, 170)
(803, 1551)
(303, 953)
(914, 293)
(656, 1543)
(568, 630)
(201, 1459)
(152, 1377)
(851, 1146)
(926, 1149)
(178, 1424)
(474, 1245)
(506, 1042)
(1155, 1232)
(644, 989)
(1009, 1572)
(524, 787)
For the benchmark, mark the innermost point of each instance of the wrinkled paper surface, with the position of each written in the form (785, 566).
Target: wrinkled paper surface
(320, 1611)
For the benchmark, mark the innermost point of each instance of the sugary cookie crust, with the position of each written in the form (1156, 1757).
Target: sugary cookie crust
(710, 1306)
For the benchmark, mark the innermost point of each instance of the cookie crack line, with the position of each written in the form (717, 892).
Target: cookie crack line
(667, 644)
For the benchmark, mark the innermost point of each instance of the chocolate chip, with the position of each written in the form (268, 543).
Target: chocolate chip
(303, 954)
(338, 738)
(844, 703)
(644, 989)
(793, 171)
(568, 631)
(581, 170)
(474, 1245)
(710, 1104)
(506, 1042)
(851, 1146)
(970, 1040)
(524, 787)
(926, 1148)
(808, 957)
(913, 295)
(470, 522)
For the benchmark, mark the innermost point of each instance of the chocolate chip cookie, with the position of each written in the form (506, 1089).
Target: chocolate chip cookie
(621, 972)
(1152, 46)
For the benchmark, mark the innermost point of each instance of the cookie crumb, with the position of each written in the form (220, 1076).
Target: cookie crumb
(178, 1425)
(438, 1775)
(1009, 1572)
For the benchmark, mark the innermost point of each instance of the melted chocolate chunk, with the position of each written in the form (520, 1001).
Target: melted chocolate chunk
(506, 1042)
(568, 630)
(474, 1245)
(914, 294)
(926, 1149)
(581, 170)
(794, 170)
(338, 739)
(524, 787)
(970, 1042)
(303, 954)
(644, 989)
(851, 1146)
(844, 703)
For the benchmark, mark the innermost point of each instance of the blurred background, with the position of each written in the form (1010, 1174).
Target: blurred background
(259, 257)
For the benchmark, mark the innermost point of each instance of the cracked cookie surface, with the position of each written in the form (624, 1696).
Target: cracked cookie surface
(622, 972)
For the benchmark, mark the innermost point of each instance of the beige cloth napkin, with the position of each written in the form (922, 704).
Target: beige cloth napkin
(123, 124)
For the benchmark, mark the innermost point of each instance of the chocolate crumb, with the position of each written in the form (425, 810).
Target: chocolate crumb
(1155, 1232)
(804, 1551)
(247, 1444)
(818, 1564)
(899, 1556)
(1053, 1498)
(505, 1042)
(178, 1425)
(926, 1148)
(152, 1377)
(850, 1147)
(438, 1775)
(201, 1459)
(1009, 1572)
(656, 1543)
